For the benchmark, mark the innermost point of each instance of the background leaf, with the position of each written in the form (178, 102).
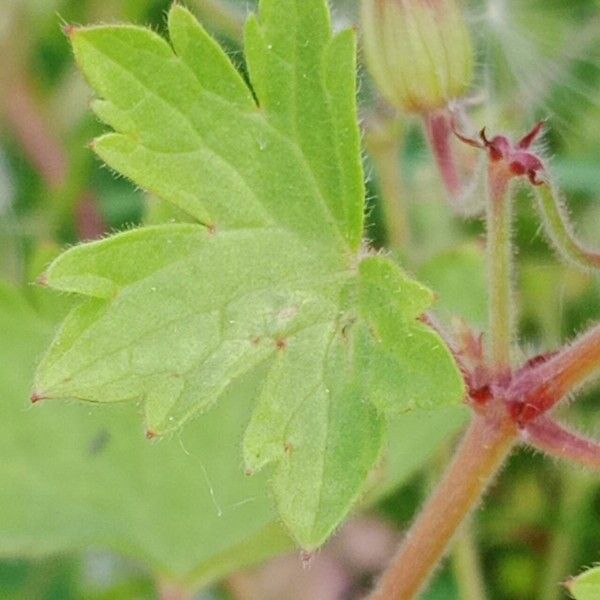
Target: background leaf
(78, 477)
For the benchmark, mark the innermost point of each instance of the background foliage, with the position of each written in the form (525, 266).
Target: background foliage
(93, 534)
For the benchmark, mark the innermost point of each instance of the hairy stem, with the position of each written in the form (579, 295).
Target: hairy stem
(499, 269)
(467, 568)
(490, 437)
(554, 439)
(482, 452)
(536, 390)
(560, 231)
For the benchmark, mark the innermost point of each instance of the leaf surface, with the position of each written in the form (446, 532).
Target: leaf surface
(586, 586)
(271, 279)
(74, 477)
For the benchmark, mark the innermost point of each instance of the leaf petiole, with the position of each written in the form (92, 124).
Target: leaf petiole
(536, 390)
(560, 231)
(556, 440)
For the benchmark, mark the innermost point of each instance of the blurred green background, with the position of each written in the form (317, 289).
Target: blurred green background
(540, 523)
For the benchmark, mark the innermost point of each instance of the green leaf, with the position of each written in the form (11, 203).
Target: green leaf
(402, 363)
(305, 82)
(586, 586)
(74, 478)
(274, 282)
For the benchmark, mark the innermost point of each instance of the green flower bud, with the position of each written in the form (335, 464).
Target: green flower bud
(419, 52)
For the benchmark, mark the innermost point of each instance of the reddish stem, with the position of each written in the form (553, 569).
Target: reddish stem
(487, 443)
(43, 147)
(554, 439)
(33, 133)
(439, 133)
(535, 391)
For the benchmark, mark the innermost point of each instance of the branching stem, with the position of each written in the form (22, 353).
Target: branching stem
(552, 438)
(492, 433)
(508, 401)
(537, 390)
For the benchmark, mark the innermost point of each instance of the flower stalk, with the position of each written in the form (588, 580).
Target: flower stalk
(384, 141)
(560, 231)
(439, 132)
(499, 268)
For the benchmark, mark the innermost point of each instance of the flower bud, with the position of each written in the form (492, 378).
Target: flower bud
(419, 52)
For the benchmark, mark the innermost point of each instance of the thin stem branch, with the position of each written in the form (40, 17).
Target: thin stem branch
(461, 190)
(556, 440)
(536, 390)
(482, 452)
(492, 434)
(560, 231)
(439, 134)
(576, 488)
(384, 145)
(30, 128)
(467, 567)
(499, 268)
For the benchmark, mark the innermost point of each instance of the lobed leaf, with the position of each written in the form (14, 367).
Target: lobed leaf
(74, 478)
(276, 284)
(304, 79)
